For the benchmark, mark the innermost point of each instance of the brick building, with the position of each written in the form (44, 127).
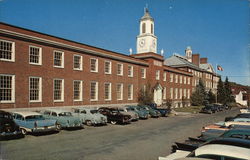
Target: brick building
(40, 70)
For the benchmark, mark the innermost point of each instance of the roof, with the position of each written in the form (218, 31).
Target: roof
(27, 113)
(179, 61)
(146, 15)
(208, 67)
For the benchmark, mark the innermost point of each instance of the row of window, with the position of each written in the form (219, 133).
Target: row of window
(179, 79)
(183, 93)
(7, 90)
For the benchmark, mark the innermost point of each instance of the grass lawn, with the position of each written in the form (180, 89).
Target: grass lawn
(191, 109)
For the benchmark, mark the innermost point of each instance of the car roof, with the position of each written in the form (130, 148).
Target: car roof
(223, 150)
(85, 108)
(57, 110)
(230, 141)
(27, 113)
(238, 131)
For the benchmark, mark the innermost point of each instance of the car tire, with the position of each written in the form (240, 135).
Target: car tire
(23, 131)
(113, 122)
(88, 123)
(58, 127)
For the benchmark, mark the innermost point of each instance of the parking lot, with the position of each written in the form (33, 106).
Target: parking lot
(145, 139)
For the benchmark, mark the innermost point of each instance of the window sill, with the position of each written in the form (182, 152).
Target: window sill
(6, 102)
(7, 60)
(58, 100)
(59, 67)
(36, 64)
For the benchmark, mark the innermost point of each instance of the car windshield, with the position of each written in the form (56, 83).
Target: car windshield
(94, 111)
(34, 117)
(121, 110)
(65, 114)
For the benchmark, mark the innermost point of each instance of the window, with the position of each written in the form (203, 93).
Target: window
(180, 93)
(143, 28)
(180, 79)
(130, 71)
(157, 75)
(119, 69)
(176, 78)
(77, 90)
(58, 59)
(119, 91)
(35, 89)
(77, 62)
(58, 90)
(94, 65)
(185, 93)
(164, 93)
(143, 73)
(185, 80)
(35, 55)
(94, 91)
(171, 77)
(188, 80)
(7, 50)
(164, 76)
(130, 92)
(171, 93)
(176, 93)
(107, 67)
(188, 93)
(107, 91)
(7, 88)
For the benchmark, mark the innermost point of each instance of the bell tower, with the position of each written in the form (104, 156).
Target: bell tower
(146, 40)
(188, 52)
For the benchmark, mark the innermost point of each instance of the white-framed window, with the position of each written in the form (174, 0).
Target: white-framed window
(185, 93)
(107, 67)
(77, 90)
(7, 50)
(188, 80)
(188, 93)
(171, 77)
(35, 55)
(171, 93)
(107, 91)
(35, 89)
(93, 91)
(119, 91)
(7, 88)
(93, 65)
(164, 93)
(180, 79)
(185, 80)
(59, 59)
(176, 93)
(130, 92)
(164, 76)
(77, 60)
(157, 75)
(176, 78)
(143, 73)
(130, 71)
(119, 69)
(58, 90)
(180, 93)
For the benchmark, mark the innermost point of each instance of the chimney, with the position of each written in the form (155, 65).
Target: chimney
(203, 60)
(196, 59)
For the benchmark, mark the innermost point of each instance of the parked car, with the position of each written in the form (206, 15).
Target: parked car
(241, 115)
(245, 110)
(64, 118)
(209, 108)
(152, 112)
(90, 116)
(8, 127)
(134, 115)
(33, 122)
(143, 114)
(164, 111)
(114, 115)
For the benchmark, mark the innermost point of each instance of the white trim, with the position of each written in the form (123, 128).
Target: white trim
(132, 90)
(12, 51)
(110, 67)
(121, 69)
(96, 65)
(132, 71)
(81, 64)
(12, 89)
(80, 90)
(62, 90)
(96, 91)
(62, 59)
(164, 76)
(144, 73)
(109, 91)
(40, 90)
(121, 91)
(40, 55)
(157, 74)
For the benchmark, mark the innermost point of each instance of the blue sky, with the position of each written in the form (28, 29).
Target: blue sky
(217, 29)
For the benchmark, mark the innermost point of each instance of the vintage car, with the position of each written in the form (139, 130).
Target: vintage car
(141, 112)
(33, 122)
(90, 116)
(8, 127)
(134, 116)
(209, 108)
(64, 118)
(114, 115)
(242, 115)
(152, 112)
(164, 111)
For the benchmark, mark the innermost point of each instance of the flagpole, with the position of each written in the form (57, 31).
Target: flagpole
(216, 83)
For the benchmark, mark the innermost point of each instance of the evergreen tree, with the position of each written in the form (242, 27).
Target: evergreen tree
(199, 95)
(220, 92)
(211, 97)
(228, 92)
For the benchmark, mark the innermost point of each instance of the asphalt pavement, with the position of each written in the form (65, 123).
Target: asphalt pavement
(142, 140)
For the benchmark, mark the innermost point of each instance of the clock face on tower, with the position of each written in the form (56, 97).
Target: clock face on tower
(142, 42)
